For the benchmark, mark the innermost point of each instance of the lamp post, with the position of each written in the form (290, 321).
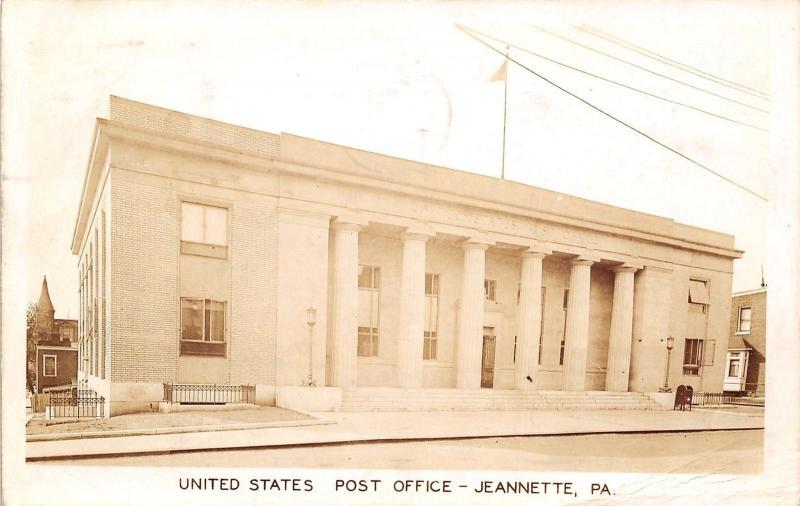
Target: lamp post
(311, 320)
(670, 345)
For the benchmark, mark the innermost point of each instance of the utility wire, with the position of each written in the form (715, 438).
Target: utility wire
(648, 70)
(506, 43)
(663, 59)
(695, 162)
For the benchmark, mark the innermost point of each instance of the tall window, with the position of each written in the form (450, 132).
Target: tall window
(698, 295)
(204, 230)
(733, 366)
(369, 285)
(745, 320)
(202, 327)
(50, 366)
(692, 356)
(514, 359)
(431, 330)
(490, 289)
(564, 305)
(541, 327)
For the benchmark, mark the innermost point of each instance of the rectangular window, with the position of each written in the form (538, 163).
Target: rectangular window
(564, 304)
(514, 359)
(369, 282)
(204, 224)
(431, 323)
(541, 327)
(733, 368)
(202, 327)
(745, 320)
(490, 289)
(698, 295)
(692, 356)
(50, 366)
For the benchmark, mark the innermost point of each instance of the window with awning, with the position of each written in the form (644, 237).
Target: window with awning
(698, 292)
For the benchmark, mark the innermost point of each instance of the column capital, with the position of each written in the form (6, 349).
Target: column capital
(581, 261)
(478, 241)
(469, 244)
(344, 225)
(417, 231)
(625, 268)
(533, 254)
(349, 221)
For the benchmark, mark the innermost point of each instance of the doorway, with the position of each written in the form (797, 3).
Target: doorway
(487, 362)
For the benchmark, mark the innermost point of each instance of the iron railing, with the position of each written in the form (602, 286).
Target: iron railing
(209, 394)
(720, 398)
(75, 403)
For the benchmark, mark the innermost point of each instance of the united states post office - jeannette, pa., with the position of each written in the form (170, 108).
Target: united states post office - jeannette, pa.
(213, 254)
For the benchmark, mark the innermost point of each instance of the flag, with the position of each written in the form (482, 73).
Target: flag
(500, 75)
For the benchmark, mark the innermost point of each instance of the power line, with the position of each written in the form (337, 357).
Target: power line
(659, 97)
(664, 59)
(695, 162)
(648, 70)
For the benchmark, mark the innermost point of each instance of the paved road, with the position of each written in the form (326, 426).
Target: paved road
(699, 452)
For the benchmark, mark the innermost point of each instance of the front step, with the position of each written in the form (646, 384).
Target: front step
(397, 399)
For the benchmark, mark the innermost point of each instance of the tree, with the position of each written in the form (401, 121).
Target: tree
(30, 355)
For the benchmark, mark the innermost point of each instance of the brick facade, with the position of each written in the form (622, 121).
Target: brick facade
(254, 258)
(756, 339)
(144, 306)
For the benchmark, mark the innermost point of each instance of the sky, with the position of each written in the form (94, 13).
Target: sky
(401, 79)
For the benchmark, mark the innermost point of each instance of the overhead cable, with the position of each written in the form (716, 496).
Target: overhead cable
(596, 32)
(659, 97)
(691, 160)
(626, 62)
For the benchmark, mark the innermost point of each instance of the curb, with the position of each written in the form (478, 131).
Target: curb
(377, 440)
(174, 430)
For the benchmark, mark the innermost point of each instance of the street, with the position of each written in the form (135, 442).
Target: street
(694, 452)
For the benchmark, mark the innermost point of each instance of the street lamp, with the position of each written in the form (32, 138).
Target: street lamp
(311, 320)
(670, 345)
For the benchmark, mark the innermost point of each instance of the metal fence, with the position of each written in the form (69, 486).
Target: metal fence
(720, 398)
(75, 403)
(209, 394)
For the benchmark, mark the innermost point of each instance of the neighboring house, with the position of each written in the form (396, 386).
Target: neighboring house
(215, 254)
(56, 367)
(746, 362)
(56, 346)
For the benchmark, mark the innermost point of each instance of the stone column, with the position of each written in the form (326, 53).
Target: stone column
(470, 317)
(577, 333)
(410, 337)
(344, 323)
(530, 320)
(619, 342)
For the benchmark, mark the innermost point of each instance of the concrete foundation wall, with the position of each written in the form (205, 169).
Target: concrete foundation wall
(309, 398)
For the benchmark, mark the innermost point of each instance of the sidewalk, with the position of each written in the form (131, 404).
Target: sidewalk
(251, 417)
(387, 426)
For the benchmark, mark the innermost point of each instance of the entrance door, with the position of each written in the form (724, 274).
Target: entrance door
(487, 364)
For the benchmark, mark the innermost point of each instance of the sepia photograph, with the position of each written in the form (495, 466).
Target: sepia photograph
(399, 252)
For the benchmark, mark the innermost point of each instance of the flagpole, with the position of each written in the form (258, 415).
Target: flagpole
(505, 112)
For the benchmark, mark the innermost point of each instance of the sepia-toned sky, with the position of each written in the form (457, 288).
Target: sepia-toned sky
(399, 78)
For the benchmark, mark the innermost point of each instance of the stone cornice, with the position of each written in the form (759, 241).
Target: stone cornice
(108, 129)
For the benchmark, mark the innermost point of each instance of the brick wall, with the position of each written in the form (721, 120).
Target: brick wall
(186, 125)
(144, 305)
(758, 325)
(254, 260)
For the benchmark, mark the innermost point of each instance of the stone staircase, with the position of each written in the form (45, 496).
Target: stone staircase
(451, 399)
